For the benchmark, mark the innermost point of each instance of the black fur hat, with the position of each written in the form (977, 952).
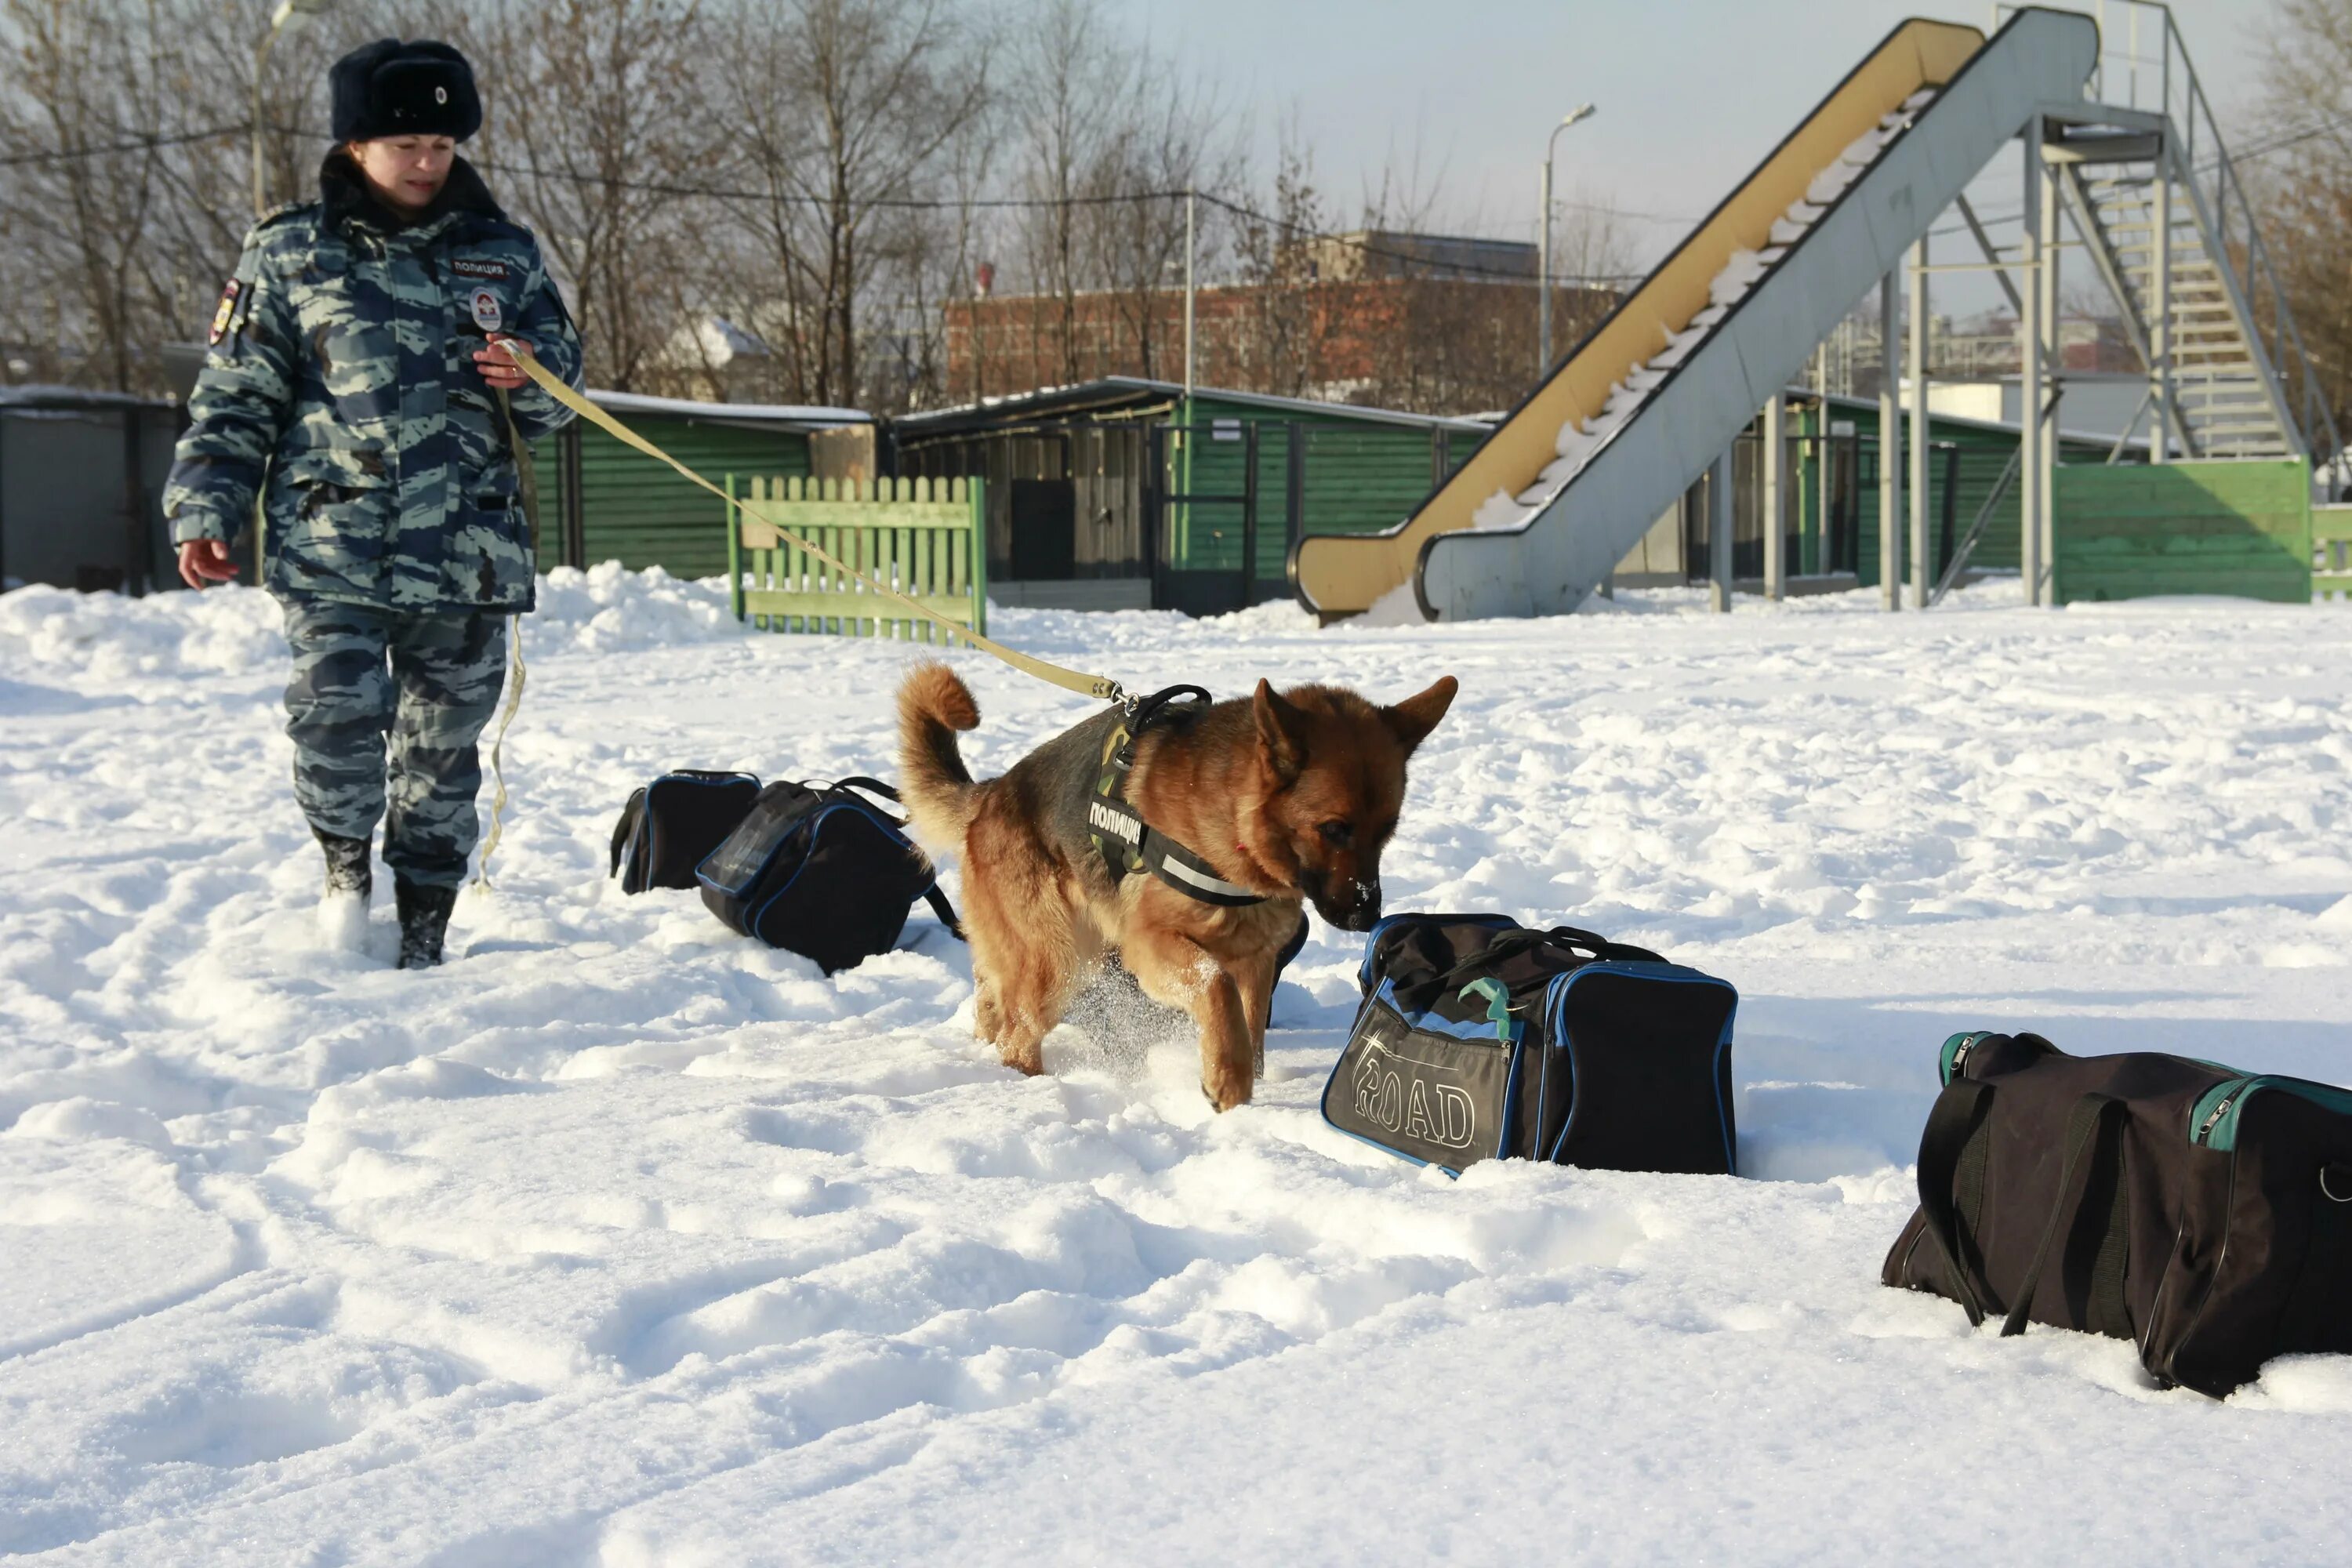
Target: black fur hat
(392, 89)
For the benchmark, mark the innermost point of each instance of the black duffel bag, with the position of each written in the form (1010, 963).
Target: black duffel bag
(822, 871)
(2202, 1213)
(1479, 1038)
(671, 825)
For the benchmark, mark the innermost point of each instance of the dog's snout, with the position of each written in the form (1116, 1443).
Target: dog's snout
(1351, 905)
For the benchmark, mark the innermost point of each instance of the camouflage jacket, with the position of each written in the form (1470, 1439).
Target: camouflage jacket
(342, 378)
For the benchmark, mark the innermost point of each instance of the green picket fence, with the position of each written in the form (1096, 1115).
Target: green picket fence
(924, 538)
(2331, 541)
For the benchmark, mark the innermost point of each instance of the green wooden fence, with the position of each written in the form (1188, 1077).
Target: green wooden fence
(2331, 540)
(2127, 530)
(921, 537)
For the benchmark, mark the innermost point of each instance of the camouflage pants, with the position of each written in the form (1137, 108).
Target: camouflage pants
(429, 679)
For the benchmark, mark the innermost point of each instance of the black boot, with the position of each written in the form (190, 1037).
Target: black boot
(347, 865)
(344, 902)
(424, 921)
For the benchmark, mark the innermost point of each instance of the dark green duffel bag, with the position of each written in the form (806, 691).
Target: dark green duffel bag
(2202, 1213)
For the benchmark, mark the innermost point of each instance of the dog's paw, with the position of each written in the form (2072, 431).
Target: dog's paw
(1230, 1097)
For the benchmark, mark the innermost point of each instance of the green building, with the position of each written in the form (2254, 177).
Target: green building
(601, 500)
(1122, 493)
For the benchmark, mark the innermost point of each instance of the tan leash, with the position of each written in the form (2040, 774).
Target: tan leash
(527, 484)
(1098, 686)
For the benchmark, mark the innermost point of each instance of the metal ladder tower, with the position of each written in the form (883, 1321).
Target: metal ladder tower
(2141, 171)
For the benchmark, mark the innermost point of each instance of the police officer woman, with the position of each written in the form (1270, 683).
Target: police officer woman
(355, 385)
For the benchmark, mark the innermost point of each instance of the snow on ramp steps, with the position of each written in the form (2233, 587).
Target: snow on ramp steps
(1580, 441)
(1552, 501)
(1825, 217)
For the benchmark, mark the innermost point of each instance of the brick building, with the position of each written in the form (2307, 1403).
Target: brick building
(1445, 344)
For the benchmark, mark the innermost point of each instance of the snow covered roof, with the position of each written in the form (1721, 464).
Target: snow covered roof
(2005, 427)
(722, 341)
(1114, 391)
(42, 395)
(803, 416)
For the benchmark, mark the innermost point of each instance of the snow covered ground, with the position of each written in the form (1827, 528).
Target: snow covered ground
(620, 1241)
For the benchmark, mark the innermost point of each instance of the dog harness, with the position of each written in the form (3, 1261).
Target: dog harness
(1125, 841)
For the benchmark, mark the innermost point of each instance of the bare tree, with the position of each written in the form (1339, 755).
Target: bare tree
(1066, 78)
(1172, 133)
(595, 130)
(79, 217)
(789, 201)
(2301, 162)
(846, 109)
(1291, 322)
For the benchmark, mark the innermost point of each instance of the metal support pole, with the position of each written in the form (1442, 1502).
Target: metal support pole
(1720, 512)
(1543, 275)
(1249, 513)
(2030, 373)
(1543, 244)
(1192, 252)
(1921, 566)
(1890, 442)
(1992, 253)
(2053, 362)
(1825, 468)
(1775, 439)
(2159, 326)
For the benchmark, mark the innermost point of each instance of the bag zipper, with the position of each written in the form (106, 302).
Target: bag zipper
(1954, 1061)
(2213, 1119)
(1956, 1053)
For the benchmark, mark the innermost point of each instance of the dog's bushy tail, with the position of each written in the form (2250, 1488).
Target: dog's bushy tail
(933, 705)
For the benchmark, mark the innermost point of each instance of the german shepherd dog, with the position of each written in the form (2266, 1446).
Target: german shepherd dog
(1290, 796)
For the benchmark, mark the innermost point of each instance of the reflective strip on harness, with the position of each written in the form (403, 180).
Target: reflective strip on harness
(1140, 846)
(1127, 843)
(1200, 884)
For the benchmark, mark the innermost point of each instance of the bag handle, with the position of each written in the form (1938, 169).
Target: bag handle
(1950, 1139)
(1512, 942)
(2332, 1177)
(711, 775)
(631, 814)
(870, 787)
(945, 911)
(2089, 1126)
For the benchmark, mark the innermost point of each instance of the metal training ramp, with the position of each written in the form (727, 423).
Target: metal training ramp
(1669, 380)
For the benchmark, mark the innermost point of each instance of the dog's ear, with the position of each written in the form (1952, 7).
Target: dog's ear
(1412, 720)
(1281, 733)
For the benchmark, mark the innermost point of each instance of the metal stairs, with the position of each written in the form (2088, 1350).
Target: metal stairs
(2153, 194)
(2225, 401)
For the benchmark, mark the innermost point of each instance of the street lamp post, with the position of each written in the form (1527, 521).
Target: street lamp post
(1543, 247)
(287, 12)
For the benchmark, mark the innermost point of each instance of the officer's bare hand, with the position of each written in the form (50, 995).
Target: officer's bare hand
(499, 367)
(204, 561)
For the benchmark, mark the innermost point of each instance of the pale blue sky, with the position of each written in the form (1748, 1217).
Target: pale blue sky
(1692, 93)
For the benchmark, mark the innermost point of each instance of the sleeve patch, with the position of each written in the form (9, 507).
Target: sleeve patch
(221, 316)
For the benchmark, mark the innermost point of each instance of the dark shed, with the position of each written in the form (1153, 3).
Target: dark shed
(82, 489)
